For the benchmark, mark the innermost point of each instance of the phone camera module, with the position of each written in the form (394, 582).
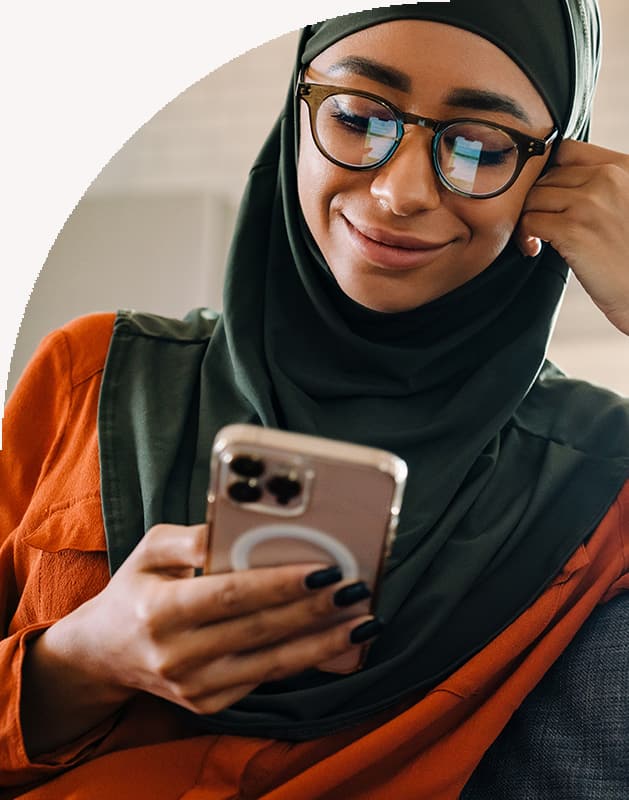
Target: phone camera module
(247, 466)
(284, 488)
(245, 491)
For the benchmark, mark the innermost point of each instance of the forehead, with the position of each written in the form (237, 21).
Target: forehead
(432, 60)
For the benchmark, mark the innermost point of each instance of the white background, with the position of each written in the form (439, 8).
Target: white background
(77, 78)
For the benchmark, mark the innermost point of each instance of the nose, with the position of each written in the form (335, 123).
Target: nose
(407, 183)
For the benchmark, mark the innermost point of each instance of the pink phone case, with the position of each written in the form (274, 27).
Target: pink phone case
(277, 497)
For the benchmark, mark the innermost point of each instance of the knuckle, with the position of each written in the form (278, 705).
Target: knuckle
(229, 595)
(280, 667)
(612, 180)
(287, 591)
(160, 665)
(259, 629)
(154, 533)
(147, 615)
(614, 173)
(149, 542)
(320, 605)
(256, 629)
(150, 618)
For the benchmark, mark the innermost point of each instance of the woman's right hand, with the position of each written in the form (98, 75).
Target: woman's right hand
(201, 642)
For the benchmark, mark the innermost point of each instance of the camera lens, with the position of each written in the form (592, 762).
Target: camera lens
(284, 487)
(245, 491)
(247, 466)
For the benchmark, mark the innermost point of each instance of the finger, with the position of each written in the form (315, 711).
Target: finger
(206, 701)
(608, 180)
(529, 246)
(546, 226)
(207, 599)
(213, 702)
(586, 153)
(171, 547)
(548, 199)
(191, 647)
(559, 231)
(568, 177)
(275, 663)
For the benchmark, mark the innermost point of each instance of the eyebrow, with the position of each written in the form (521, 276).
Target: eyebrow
(482, 100)
(477, 99)
(373, 70)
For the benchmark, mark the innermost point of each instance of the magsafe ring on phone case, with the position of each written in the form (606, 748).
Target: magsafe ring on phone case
(336, 550)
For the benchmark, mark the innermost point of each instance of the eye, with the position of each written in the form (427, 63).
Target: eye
(484, 145)
(356, 130)
(352, 121)
(495, 158)
(360, 114)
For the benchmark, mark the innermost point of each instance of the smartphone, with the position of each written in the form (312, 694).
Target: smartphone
(277, 497)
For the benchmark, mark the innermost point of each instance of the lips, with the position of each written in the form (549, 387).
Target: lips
(392, 250)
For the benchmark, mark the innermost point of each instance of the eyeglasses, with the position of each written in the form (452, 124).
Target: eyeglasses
(361, 131)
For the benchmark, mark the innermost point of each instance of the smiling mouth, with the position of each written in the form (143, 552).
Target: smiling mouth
(389, 250)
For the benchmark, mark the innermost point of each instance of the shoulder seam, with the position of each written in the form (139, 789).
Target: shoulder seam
(91, 369)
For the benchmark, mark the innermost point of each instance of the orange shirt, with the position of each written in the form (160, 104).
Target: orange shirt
(53, 558)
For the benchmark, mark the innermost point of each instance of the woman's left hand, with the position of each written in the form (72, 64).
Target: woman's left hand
(581, 207)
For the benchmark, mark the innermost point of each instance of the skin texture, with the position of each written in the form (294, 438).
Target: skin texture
(205, 642)
(580, 206)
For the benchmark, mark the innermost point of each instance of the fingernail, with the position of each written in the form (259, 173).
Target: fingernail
(323, 577)
(365, 631)
(351, 594)
(534, 246)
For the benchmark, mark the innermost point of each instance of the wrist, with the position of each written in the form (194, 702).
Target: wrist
(62, 697)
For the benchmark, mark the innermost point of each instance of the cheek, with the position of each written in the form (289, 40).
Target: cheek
(492, 222)
(498, 217)
(311, 179)
(320, 186)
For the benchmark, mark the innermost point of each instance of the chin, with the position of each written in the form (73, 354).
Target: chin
(384, 301)
(390, 294)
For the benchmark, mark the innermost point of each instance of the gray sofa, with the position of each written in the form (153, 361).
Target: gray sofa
(570, 738)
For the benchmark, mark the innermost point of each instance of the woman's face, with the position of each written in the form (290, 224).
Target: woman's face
(394, 237)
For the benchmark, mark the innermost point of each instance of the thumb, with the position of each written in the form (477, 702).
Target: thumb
(528, 245)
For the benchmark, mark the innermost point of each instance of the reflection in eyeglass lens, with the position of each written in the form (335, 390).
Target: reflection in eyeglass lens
(356, 130)
(464, 161)
(474, 158)
(378, 139)
(477, 158)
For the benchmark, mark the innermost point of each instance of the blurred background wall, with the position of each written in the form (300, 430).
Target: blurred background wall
(152, 230)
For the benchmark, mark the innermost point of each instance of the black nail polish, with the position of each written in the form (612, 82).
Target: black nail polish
(351, 594)
(323, 577)
(368, 630)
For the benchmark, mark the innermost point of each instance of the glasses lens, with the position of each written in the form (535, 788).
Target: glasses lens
(476, 158)
(356, 130)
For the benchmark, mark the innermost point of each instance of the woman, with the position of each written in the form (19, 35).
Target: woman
(383, 288)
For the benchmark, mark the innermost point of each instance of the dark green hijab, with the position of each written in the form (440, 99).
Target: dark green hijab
(511, 465)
